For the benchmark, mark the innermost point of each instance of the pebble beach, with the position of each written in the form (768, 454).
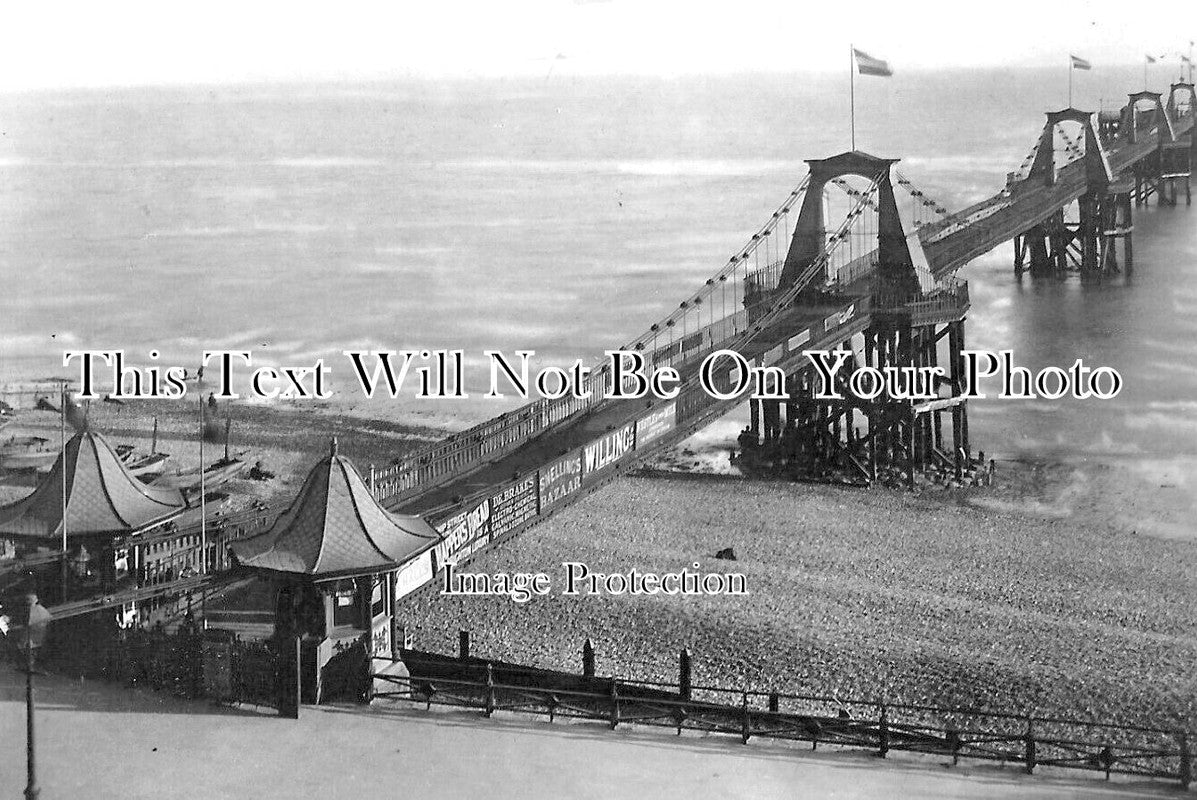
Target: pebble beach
(875, 594)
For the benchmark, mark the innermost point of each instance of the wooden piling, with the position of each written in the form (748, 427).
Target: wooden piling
(587, 660)
(1029, 743)
(684, 686)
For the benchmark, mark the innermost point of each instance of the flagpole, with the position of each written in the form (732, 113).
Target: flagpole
(852, 91)
(1071, 67)
(203, 565)
(62, 466)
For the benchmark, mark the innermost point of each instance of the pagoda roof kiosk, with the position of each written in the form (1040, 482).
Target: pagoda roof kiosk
(99, 495)
(332, 557)
(90, 503)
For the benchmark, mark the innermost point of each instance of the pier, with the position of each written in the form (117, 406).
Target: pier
(884, 275)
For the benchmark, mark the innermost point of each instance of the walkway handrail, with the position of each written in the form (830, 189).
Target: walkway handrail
(460, 451)
(876, 725)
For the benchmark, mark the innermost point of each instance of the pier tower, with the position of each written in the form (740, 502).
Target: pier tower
(915, 321)
(1082, 235)
(1178, 153)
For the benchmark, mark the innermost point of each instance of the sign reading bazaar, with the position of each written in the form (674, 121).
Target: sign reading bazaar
(560, 479)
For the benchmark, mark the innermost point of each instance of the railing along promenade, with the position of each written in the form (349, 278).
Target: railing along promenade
(1031, 740)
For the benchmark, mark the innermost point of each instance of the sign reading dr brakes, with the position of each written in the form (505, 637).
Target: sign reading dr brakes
(656, 423)
(463, 534)
(560, 479)
(609, 449)
(514, 506)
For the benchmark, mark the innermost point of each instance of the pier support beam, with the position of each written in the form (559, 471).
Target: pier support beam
(1116, 224)
(1043, 248)
(1088, 228)
(902, 435)
(1089, 245)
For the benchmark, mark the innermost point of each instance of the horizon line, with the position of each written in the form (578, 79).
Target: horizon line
(251, 81)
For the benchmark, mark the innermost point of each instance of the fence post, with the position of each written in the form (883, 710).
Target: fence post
(683, 676)
(587, 659)
(490, 689)
(366, 676)
(883, 732)
(195, 648)
(1030, 742)
(745, 721)
(1186, 762)
(953, 737)
(614, 705)
(463, 645)
(288, 682)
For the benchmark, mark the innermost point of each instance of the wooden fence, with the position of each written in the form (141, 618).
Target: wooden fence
(1029, 740)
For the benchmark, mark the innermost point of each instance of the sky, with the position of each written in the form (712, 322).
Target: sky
(89, 44)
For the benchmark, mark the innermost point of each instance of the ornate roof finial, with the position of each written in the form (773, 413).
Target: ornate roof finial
(333, 448)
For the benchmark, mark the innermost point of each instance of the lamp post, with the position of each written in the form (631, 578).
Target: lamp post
(36, 620)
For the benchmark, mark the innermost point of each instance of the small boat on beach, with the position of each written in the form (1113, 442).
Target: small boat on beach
(140, 464)
(152, 461)
(27, 452)
(189, 480)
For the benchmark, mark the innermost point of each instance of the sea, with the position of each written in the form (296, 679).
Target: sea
(560, 214)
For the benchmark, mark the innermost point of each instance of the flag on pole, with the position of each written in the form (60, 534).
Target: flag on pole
(1080, 63)
(1150, 59)
(867, 65)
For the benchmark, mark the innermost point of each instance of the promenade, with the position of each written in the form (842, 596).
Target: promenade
(98, 741)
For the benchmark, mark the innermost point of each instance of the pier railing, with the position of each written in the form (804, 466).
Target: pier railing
(949, 302)
(877, 725)
(675, 340)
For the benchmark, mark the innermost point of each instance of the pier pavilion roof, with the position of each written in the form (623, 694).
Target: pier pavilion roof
(335, 528)
(102, 497)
